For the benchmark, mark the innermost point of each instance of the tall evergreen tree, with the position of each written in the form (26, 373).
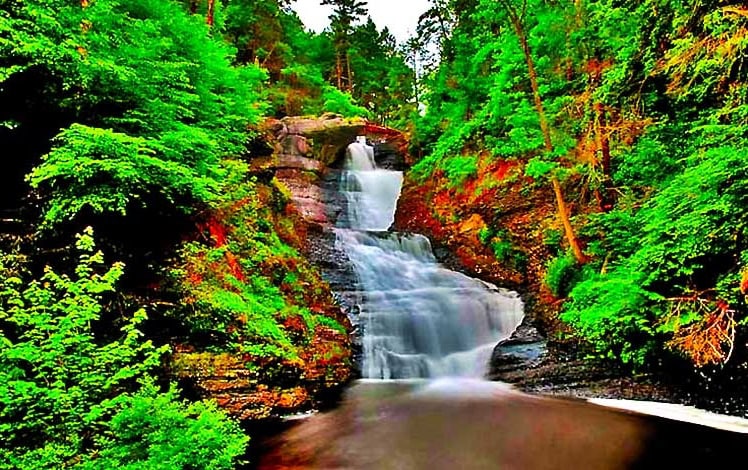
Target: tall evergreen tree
(345, 13)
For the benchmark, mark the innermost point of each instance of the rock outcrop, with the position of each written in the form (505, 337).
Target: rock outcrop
(309, 151)
(323, 139)
(304, 149)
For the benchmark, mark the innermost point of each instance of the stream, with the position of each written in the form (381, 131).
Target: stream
(427, 336)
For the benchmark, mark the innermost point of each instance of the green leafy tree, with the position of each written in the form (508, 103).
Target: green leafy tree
(161, 78)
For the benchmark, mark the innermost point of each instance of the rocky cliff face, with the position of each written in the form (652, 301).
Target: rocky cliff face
(304, 151)
(301, 178)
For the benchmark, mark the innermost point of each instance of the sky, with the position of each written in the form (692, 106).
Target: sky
(400, 16)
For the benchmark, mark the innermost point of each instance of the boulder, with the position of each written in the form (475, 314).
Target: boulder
(323, 138)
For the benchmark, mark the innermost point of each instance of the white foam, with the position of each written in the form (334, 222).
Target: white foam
(687, 414)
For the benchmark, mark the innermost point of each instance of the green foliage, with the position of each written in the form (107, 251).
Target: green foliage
(458, 169)
(655, 158)
(552, 238)
(684, 242)
(615, 314)
(61, 383)
(538, 168)
(105, 171)
(562, 274)
(335, 101)
(502, 246)
(154, 430)
(303, 65)
(153, 107)
(128, 115)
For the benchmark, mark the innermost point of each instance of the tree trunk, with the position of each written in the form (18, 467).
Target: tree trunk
(339, 70)
(544, 128)
(563, 213)
(416, 80)
(603, 146)
(349, 72)
(210, 17)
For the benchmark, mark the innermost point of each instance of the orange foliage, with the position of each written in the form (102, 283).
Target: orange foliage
(709, 341)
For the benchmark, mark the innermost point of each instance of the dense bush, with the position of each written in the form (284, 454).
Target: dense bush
(65, 390)
(687, 265)
(562, 274)
(153, 430)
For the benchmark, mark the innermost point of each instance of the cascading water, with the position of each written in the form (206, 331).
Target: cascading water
(372, 193)
(419, 319)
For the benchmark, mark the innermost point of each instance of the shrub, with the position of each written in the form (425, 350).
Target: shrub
(615, 315)
(106, 171)
(155, 431)
(336, 101)
(562, 274)
(61, 384)
(458, 169)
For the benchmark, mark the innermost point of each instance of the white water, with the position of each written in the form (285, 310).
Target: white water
(372, 193)
(419, 319)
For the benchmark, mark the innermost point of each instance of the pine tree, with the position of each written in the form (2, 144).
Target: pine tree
(345, 13)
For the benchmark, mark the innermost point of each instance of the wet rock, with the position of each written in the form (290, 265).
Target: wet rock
(524, 334)
(275, 128)
(521, 351)
(389, 154)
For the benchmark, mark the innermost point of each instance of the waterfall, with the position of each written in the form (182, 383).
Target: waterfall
(372, 193)
(419, 319)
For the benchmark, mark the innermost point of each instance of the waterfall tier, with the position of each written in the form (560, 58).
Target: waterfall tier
(419, 319)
